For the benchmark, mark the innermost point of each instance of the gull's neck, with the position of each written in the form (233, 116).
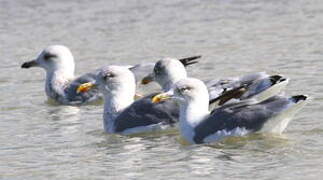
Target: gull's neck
(56, 81)
(168, 85)
(192, 113)
(115, 102)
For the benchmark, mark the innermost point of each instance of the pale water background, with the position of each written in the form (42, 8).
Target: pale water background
(43, 141)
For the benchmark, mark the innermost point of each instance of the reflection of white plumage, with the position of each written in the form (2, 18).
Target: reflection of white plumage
(198, 125)
(257, 85)
(122, 114)
(61, 84)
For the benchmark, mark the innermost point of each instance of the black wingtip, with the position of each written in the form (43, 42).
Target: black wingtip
(189, 60)
(277, 79)
(298, 98)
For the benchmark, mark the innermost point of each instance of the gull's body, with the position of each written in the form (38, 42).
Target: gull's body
(257, 85)
(199, 125)
(61, 83)
(124, 115)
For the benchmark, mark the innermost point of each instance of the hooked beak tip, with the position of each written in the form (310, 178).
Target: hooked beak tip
(84, 87)
(25, 65)
(145, 81)
(160, 97)
(29, 64)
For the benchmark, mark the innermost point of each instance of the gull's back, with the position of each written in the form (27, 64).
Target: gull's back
(143, 116)
(242, 118)
(79, 98)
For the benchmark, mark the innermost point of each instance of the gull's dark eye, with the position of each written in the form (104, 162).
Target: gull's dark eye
(185, 88)
(108, 75)
(156, 70)
(47, 56)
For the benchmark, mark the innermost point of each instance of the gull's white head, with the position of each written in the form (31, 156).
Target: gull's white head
(186, 91)
(115, 80)
(190, 89)
(167, 72)
(53, 58)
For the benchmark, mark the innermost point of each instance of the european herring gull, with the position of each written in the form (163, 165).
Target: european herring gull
(198, 125)
(122, 114)
(256, 85)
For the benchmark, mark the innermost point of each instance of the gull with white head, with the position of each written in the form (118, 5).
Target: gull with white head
(122, 114)
(198, 125)
(259, 86)
(61, 84)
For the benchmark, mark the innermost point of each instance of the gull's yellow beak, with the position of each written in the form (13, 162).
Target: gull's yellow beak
(160, 97)
(85, 87)
(146, 80)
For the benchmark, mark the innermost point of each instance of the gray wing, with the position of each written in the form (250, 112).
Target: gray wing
(248, 87)
(79, 98)
(143, 113)
(260, 85)
(217, 87)
(249, 116)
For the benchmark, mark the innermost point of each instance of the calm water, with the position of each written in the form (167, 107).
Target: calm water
(43, 141)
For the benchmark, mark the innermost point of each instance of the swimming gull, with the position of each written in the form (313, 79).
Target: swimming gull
(259, 85)
(122, 114)
(198, 125)
(61, 84)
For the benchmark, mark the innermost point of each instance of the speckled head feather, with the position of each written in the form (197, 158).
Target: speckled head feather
(168, 71)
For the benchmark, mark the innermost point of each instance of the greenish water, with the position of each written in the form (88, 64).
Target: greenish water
(39, 140)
